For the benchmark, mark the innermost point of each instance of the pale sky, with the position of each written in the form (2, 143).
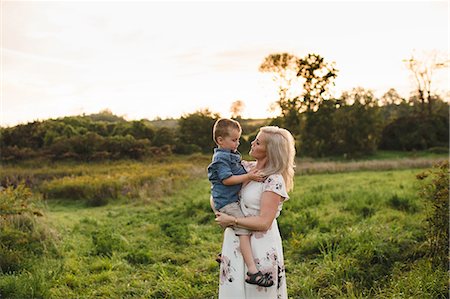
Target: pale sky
(147, 59)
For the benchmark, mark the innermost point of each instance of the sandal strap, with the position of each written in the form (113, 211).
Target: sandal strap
(263, 280)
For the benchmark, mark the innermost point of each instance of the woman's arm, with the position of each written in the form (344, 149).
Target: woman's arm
(262, 222)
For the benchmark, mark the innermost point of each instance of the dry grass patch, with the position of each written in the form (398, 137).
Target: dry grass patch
(313, 167)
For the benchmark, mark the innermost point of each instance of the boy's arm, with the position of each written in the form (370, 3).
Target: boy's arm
(236, 179)
(211, 202)
(253, 175)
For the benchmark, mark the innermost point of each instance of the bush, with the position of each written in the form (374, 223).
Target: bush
(196, 129)
(21, 233)
(415, 133)
(14, 153)
(435, 194)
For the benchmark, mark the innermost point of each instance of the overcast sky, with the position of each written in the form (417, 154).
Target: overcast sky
(147, 59)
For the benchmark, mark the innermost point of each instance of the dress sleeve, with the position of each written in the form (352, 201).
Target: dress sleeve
(275, 183)
(248, 165)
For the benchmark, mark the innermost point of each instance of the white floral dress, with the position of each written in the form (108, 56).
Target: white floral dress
(266, 246)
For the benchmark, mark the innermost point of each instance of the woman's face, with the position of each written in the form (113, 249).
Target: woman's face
(258, 149)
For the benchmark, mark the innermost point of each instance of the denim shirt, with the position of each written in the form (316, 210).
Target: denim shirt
(225, 163)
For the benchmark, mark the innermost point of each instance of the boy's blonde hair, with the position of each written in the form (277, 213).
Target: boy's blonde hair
(280, 151)
(223, 126)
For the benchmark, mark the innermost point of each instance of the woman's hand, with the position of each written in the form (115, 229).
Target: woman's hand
(224, 220)
(256, 175)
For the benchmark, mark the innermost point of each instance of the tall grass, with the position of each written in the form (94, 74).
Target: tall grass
(98, 189)
(24, 235)
(99, 183)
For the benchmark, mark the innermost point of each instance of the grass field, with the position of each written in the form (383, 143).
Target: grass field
(356, 234)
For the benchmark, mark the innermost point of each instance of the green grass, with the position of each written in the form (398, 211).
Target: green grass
(345, 235)
(352, 232)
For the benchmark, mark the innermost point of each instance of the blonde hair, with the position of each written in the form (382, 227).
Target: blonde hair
(280, 151)
(223, 126)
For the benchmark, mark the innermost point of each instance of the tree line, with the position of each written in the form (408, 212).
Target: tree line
(104, 136)
(357, 123)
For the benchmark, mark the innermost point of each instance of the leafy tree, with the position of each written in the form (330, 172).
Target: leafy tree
(80, 137)
(30, 135)
(408, 129)
(302, 84)
(394, 106)
(319, 131)
(139, 130)
(391, 97)
(195, 132)
(86, 145)
(348, 126)
(106, 116)
(164, 136)
(317, 75)
(99, 127)
(359, 122)
(415, 133)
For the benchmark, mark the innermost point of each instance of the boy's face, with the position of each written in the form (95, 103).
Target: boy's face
(230, 142)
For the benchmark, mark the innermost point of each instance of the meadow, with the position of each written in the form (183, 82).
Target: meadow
(130, 229)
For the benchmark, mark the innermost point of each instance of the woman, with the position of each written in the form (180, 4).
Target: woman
(261, 202)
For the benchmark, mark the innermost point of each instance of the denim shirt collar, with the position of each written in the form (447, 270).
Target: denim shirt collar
(236, 154)
(226, 151)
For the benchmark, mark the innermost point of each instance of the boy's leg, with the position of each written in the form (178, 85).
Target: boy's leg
(246, 250)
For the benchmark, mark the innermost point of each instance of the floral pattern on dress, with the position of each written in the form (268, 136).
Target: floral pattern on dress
(281, 274)
(260, 234)
(274, 184)
(225, 270)
(269, 263)
(266, 246)
(272, 265)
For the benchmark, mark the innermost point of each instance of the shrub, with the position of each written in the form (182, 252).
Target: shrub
(14, 153)
(415, 133)
(195, 129)
(21, 233)
(435, 194)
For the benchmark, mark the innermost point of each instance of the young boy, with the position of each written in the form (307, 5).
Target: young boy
(227, 175)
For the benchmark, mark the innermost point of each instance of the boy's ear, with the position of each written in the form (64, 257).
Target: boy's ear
(219, 139)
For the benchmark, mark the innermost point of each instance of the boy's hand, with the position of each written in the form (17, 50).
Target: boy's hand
(256, 175)
(224, 220)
